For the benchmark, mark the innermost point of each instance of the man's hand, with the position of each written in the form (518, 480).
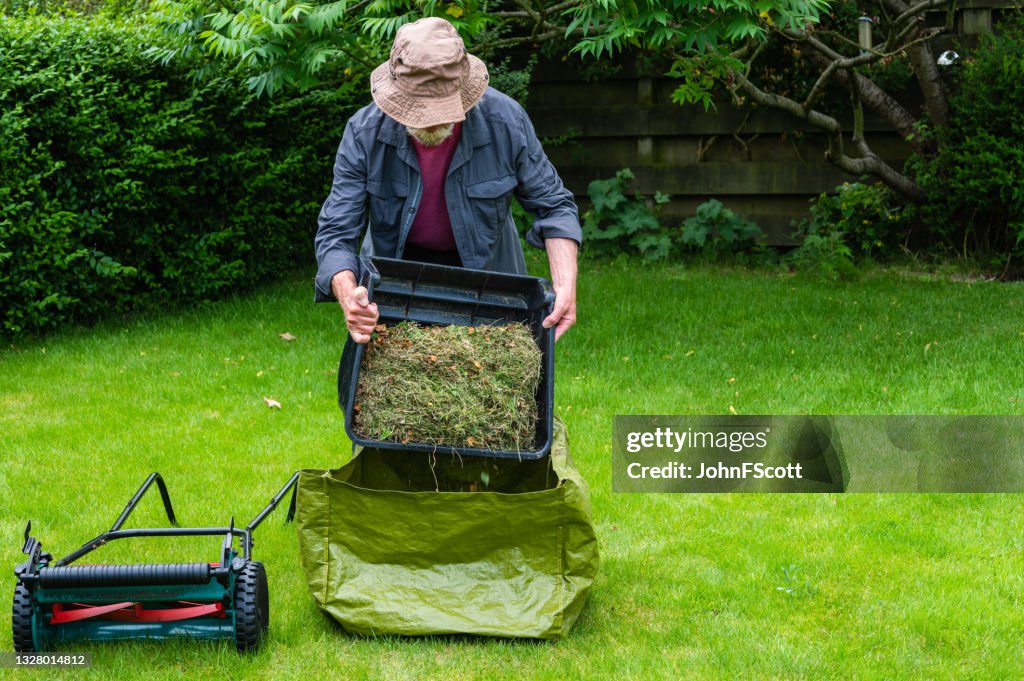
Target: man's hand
(562, 258)
(360, 314)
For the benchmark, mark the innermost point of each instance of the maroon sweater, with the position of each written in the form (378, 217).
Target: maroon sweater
(432, 228)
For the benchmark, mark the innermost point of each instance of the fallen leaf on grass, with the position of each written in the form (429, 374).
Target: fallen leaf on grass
(287, 336)
(272, 403)
(732, 410)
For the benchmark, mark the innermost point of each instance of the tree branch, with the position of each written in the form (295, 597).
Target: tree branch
(912, 11)
(745, 143)
(555, 32)
(871, 164)
(868, 164)
(819, 85)
(757, 53)
(858, 114)
(880, 101)
(774, 101)
(561, 6)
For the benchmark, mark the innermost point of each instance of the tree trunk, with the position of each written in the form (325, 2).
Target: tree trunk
(927, 72)
(925, 69)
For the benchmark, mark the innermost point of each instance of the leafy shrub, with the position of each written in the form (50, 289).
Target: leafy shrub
(716, 230)
(824, 254)
(857, 221)
(124, 184)
(975, 183)
(617, 223)
(511, 80)
(870, 219)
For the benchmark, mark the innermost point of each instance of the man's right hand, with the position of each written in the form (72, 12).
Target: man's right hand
(360, 314)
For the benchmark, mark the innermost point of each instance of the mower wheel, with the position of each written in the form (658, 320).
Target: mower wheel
(252, 606)
(21, 620)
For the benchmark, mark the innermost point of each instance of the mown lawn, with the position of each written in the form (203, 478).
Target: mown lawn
(875, 586)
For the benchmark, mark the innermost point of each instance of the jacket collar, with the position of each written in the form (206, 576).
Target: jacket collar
(475, 133)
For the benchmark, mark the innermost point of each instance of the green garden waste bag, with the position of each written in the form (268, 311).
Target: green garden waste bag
(405, 543)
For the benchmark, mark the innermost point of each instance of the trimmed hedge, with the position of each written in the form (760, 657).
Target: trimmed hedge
(124, 184)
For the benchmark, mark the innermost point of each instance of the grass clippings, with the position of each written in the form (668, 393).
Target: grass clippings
(453, 386)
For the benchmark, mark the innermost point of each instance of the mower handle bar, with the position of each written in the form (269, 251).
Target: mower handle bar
(115, 532)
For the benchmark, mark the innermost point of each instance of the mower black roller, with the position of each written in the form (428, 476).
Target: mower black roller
(56, 602)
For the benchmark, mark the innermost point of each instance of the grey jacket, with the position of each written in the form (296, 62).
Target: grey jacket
(498, 155)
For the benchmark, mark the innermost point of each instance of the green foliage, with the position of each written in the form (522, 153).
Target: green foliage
(122, 184)
(616, 223)
(285, 43)
(869, 217)
(975, 183)
(685, 25)
(794, 584)
(272, 44)
(111, 9)
(857, 221)
(826, 255)
(716, 230)
(698, 34)
(699, 75)
(512, 81)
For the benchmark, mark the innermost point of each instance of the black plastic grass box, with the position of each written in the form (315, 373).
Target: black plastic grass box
(441, 295)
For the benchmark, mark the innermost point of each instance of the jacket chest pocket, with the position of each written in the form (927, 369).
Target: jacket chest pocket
(489, 200)
(387, 199)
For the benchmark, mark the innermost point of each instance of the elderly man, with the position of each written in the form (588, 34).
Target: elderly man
(437, 158)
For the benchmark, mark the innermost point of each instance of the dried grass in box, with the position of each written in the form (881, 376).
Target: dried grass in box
(456, 386)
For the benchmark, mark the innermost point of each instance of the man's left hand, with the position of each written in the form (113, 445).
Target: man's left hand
(562, 258)
(563, 315)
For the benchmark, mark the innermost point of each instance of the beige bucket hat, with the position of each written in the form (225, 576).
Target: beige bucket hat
(430, 79)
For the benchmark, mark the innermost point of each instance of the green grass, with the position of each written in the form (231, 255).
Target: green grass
(874, 586)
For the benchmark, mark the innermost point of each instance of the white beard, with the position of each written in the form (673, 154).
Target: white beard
(432, 139)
